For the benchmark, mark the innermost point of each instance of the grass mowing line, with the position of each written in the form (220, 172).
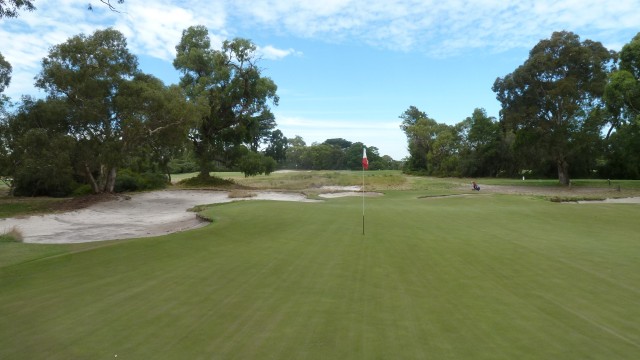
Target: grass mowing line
(592, 322)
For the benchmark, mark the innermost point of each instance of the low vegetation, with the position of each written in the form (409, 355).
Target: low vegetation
(12, 235)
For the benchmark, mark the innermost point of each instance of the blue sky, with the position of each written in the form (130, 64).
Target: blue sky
(344, 68)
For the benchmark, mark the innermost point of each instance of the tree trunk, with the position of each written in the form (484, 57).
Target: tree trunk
(91, 179)
(563, 171)
(102, 179)
(111, 179)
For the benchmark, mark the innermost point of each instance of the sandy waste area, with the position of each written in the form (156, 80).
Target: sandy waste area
(140, 215)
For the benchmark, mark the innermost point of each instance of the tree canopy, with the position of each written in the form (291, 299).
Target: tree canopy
(10, 8)
(236, 97)
(548, 100)
(101, 112)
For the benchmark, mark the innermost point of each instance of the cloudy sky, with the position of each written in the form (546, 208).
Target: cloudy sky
(344, 68)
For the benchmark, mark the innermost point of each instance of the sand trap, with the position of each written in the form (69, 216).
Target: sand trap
(348, 193)
(629, 200)
(142, 215)
(344, 191)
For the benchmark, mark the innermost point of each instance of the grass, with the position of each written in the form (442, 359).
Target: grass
(11, 235)
(303, 180)
(11, 206)
(467, 277)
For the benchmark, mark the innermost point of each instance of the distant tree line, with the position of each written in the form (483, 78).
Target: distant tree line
(334, 154)
(295, 154)
(571, 110)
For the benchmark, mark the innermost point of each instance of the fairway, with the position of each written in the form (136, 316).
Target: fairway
(483, 276)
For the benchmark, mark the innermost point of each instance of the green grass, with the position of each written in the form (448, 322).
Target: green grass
(468, 277)
(11, 206)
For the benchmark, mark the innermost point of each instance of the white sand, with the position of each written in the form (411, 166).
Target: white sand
(145, 214)
(629, 200)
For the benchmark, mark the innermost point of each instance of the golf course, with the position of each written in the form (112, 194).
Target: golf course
(517, 270)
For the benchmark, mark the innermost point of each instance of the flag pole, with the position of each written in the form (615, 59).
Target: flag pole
(363, 199)
(365, 165)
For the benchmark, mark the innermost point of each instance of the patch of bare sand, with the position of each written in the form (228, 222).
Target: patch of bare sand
(348, 193)
(344, 191)
(610, 195)
(549, 191)
(139, 215)
(629, 200)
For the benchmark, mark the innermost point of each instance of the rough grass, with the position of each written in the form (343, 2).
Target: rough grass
(12, 206)
(11, 235)
(241, 194)
(482, 276)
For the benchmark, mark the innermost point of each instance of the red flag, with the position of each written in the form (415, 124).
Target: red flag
(365, 162)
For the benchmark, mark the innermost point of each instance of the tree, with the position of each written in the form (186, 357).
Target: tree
(324, 157)
(622, 93)
(5, 79)
(277, 147)
(622, 97)
(5, 73)
(483, 145)
(431, 144)
(157, 119)
(353, 157)
(39, 150)
(443, 157)
(253, 164)
(10, 8)
(420, 131)
(109, 5)
(115, 112)
(230, 84)
(89, 72)
(546, 100)
(295, 152)
(338, 142)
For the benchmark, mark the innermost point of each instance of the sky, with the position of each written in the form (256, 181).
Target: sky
(344, 68)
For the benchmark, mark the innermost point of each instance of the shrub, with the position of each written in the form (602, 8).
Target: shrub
(128, 180)
(206, 181)
(253, 164)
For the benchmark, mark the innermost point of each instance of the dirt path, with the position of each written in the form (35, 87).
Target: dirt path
(140, 215)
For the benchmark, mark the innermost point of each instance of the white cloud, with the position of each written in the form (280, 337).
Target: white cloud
(441, 28)
(155, 28)
(436, 28)
(272, 53)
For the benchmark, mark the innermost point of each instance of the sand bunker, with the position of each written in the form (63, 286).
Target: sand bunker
(348, 193)
(344, 191)
(140, 215)
(629, 200)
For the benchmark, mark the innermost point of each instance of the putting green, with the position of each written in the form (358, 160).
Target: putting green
(468, 277)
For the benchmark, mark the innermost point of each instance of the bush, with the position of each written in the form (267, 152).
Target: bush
(206, 181)
(182, 166)
(80, 190)
(45, 165)
(128, 180)
(253, 164)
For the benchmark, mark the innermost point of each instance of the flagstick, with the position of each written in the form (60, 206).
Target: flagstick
(365, 165)
(362, 199)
